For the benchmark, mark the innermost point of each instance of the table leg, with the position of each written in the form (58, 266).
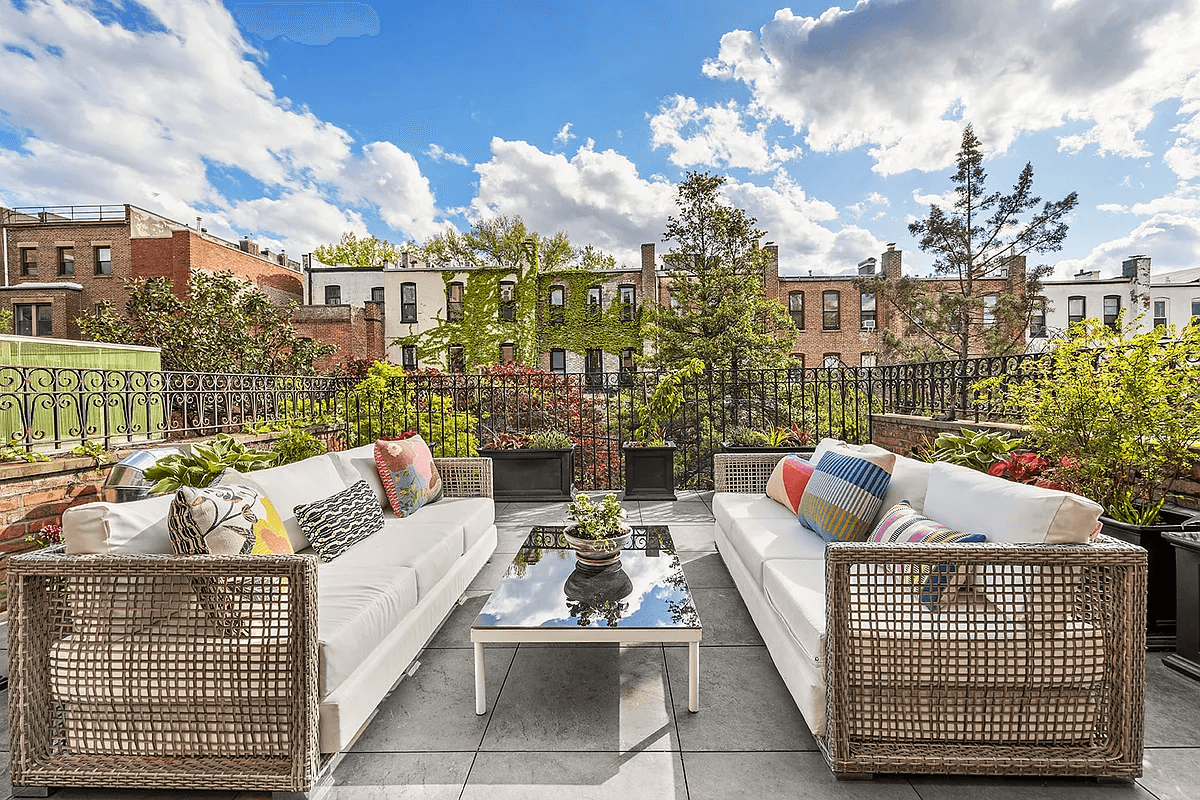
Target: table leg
(480, 683)
(693, 676)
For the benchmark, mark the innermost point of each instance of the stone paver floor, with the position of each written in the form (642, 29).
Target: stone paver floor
(603, 721)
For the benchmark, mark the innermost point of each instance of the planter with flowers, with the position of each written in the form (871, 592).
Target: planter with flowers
(536, 467)
(597, 532)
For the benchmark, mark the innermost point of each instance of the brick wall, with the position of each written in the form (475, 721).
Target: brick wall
(357, 332)
(35, 495)
(902, 433)
(187, 249)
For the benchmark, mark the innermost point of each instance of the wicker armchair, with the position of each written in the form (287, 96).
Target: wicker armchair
(1037, 668)
(160, 671)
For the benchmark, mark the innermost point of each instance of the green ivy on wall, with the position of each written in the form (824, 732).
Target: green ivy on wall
(585, 326)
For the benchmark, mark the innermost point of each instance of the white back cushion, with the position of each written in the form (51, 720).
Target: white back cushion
(910, 481)
(1004, 511)
(111, 528)
(359, 464)
(292, 485)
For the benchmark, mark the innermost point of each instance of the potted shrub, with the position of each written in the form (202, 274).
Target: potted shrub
(780, 439)
(536, 467)
(597, 532)
(1118, 412)
(650, 458)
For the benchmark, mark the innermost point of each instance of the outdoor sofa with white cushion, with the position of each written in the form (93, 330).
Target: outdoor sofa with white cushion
(121, 678)
(1037, 668)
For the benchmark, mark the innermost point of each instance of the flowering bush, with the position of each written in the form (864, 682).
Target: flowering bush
(49, 535)
(1032, 469)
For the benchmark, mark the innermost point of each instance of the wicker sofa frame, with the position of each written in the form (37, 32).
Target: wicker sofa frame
(204, 705)
(1064, 699)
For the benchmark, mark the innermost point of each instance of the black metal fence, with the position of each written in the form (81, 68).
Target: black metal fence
(55, 409)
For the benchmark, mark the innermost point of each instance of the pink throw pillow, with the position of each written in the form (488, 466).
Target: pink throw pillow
(409, 475)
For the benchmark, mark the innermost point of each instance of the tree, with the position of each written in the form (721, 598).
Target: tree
(222, 325)
(365, 252)
(977, 240)
(721, 312)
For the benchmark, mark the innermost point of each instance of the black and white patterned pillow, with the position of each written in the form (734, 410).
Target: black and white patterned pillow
(334, 524)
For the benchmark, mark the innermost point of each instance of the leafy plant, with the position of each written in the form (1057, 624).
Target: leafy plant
(747, 437)
(779, 436)
(205, 463)
(549, 440)
(382, 405)
(13, 451)
(601, 522)
(1123, 406)
(1029, 468)
(296, 445)
(664, 401)
(507, 441)
(94, 451)
(978, 450)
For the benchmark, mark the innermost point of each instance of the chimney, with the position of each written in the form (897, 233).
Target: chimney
(1087, 275)
(1137, 270)
(244, 244)
(771, 278)
(866, 266)
(892, 266)
(649, 278)
(252, 248)
(283, 258)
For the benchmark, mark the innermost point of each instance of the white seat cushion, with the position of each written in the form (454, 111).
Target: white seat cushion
(1004, 511)
(474, 514)
(758, 541)
(431, 550)
(359, 464)
(795, 587)
(357, 607)
(728, 506)
(292, 485)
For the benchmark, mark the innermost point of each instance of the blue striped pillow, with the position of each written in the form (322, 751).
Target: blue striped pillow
(844, 494)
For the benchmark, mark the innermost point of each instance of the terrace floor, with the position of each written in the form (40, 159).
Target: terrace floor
(604, 721)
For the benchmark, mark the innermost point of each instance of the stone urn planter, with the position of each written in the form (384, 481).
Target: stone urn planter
(649, 472)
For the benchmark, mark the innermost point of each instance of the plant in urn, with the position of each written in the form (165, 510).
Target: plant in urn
(597, 531)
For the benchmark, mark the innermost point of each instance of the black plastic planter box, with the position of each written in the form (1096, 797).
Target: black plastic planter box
(1160, 597)
(649, 473)
(1186, 657)
(762, 448)
(535, 476)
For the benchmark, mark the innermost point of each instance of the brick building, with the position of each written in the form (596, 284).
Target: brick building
(357, 331)
(62, 262)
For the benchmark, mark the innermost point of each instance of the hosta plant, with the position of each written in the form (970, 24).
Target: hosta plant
(978, 450)
(205, 463)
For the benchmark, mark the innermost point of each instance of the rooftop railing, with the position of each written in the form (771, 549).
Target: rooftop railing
(42, 215)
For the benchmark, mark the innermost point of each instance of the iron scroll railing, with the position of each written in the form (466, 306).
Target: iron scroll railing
(54, 409)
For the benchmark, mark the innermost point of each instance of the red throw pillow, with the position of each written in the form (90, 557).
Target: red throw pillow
(787, 482)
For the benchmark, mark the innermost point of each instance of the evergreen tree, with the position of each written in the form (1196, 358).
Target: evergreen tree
(978, 239)
(721, 314)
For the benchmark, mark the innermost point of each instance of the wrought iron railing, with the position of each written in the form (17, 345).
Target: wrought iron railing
(35, 215)
(54, 409)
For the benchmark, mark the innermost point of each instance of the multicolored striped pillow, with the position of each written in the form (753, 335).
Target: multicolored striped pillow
(939, 582)
(788, 480)
(844, 494)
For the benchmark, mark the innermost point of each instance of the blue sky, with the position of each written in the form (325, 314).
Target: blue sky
(293, 122)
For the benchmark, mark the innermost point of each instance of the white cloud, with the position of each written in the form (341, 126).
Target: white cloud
(945, 200)
(564, 135)
(1115, 208)
(439, 153)
(714, 136)
(873, 199)
(1172, 240)
(599, 198)
(899, 78)
(95, 129)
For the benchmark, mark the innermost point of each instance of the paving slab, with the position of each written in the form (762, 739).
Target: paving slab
(385, 776)
(577, 776)
(781, 775)
(1171, 773)
(705, 569)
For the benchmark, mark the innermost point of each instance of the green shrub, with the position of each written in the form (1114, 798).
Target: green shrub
(296, 445)
(549, 440)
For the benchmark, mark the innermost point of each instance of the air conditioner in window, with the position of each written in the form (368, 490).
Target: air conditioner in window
(868, 324)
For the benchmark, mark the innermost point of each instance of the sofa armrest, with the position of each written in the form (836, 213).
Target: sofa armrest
(1044, 646)
(223, 672)
(744, 473)
(465, 477)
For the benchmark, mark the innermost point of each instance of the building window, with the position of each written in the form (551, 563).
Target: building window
(28, 260)
(1112, 310)
(1076, 309)
(796, 372)
(796, 309)
(33, 319)
(457, 361)
(508, 301)
(989, 308)
(103, 260)
(866, 314)
(377, 294)
(1037, 319)
(1160, 312)
(558, 298)
(508, 353)
(831, 317)
(454, 302)
(627, 295)
(333, 295)
(832, 360)
(627, 361)
(66, 261)
(408, 302)
(595, 297)
(558, 361)
(869, 360)
(408, 356)
(593, 367)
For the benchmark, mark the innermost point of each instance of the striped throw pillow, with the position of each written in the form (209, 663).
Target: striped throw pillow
(939, 582)
(788, 480)
(844, 494)
(334, 524)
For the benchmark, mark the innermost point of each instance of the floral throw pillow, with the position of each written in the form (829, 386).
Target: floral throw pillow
(225, 520)
(409, 475)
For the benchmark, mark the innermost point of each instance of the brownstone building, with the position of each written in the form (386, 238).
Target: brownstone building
(65, 261)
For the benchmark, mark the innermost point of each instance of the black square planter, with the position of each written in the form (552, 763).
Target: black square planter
(649, 473)
(534, 476)
(1186, 657)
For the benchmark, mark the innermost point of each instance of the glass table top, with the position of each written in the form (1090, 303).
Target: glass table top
(543, 588)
